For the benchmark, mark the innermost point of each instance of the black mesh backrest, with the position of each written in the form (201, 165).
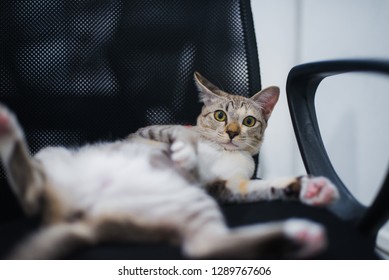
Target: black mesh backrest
(80, 71)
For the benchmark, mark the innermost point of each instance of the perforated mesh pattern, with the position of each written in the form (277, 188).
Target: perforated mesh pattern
(61, 45)
(55, 138)
(78, 71)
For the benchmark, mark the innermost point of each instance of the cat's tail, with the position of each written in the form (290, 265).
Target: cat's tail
(54, 241)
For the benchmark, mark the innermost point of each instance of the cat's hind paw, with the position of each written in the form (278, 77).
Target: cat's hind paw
(184, 155)
(317, 191)
(4, 121)
(9, 127)
(309, 237)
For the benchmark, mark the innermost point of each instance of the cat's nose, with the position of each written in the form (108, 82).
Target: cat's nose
(232, 134)
(232, 130)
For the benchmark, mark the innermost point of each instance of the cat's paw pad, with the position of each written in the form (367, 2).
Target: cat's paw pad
(184, 155)
(309, 236)
(8, 123)
(5, 125)
(318, 191)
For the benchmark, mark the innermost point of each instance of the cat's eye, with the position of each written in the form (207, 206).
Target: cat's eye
(220, 116)
(249, 121)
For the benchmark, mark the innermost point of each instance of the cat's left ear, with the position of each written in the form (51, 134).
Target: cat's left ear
(267, 99)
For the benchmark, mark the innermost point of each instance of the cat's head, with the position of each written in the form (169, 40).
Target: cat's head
(234, 122)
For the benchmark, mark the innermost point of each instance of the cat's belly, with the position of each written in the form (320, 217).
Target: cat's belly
(123, 181)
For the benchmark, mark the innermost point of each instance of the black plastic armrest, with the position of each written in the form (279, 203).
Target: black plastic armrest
(301, 87)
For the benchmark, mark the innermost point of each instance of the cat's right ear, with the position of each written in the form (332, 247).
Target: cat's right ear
(267, 99)
(208, 92)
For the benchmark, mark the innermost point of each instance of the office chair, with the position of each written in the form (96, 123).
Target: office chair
(77, 72)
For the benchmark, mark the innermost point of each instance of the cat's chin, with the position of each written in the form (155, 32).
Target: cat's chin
(230, 146)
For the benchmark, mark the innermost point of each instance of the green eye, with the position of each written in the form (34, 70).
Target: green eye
(249, 121)
(220, 116)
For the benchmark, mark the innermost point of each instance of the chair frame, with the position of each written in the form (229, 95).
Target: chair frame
(302, 83)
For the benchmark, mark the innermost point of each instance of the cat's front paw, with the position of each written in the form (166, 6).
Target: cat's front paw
(184, 155)
(309, 237)
(317, 191)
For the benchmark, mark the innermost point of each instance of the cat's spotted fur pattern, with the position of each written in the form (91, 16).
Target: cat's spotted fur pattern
(155, 184)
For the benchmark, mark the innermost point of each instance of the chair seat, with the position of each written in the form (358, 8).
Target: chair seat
(344, 241)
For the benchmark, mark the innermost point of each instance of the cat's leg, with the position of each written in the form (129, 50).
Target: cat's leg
(294, 238)
(317, 191)
(204, 234)
(54, 241)
(23, 173)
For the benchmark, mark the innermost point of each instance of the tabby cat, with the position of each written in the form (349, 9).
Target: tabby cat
(161, 183)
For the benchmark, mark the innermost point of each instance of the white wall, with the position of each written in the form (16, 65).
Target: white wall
(276, 27)
(290, 32)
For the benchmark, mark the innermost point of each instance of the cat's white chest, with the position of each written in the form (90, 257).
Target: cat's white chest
(215, 164)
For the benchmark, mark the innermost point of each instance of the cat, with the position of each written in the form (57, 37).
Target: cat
(162, 183)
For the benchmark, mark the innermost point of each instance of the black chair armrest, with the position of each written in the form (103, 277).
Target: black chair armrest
(301, 87)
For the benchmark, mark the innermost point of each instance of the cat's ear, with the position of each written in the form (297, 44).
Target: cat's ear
(208, 92)
(267, 99)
